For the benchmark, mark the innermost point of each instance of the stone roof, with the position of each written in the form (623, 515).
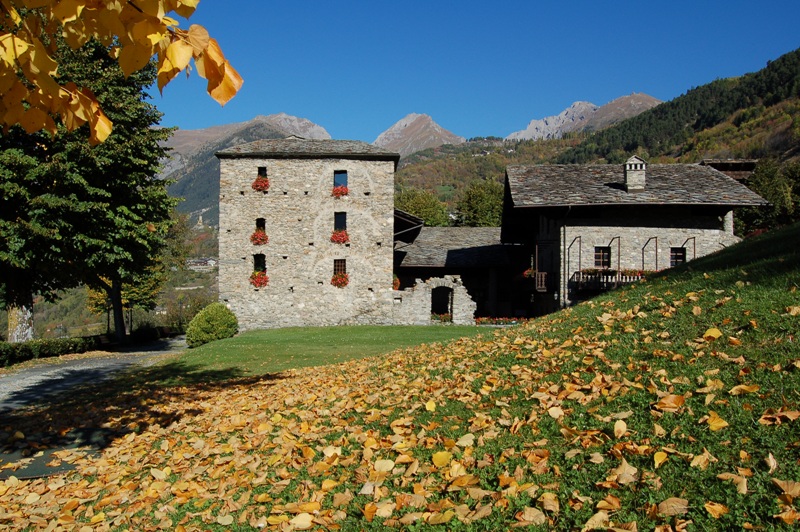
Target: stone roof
(300, 148)
(454, 247)
(604, 184)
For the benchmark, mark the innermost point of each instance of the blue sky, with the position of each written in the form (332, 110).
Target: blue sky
(477, 68)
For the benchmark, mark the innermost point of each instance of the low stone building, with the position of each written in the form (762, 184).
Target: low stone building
(589, 228)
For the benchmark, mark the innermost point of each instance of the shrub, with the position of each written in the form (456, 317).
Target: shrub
(44, 348)
(214, 322)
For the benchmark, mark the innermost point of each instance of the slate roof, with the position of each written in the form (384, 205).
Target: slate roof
(455, 247)
(603, 184)
(300, 148)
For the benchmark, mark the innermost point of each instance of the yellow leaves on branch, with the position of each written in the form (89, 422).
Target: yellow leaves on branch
(135, 30)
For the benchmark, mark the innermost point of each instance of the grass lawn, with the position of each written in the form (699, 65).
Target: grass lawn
(670, 404)
(270, 351)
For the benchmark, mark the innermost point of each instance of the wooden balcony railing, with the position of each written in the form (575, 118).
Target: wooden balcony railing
(603, 280)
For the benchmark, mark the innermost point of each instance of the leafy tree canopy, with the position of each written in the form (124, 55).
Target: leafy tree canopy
(423, 204)
(481, 205)
(134, 30)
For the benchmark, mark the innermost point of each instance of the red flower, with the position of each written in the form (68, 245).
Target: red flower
(259, 238)
(340, 236)
(340, 280)
(259, 279)
(339, 191)
(261, 184)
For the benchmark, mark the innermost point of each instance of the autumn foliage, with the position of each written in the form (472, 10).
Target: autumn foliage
(668, 405)
(135, 31)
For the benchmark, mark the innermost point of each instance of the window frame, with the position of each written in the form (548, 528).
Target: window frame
(337, 178)
(602, 257)
(677, 256)
(339, 266)
(340, 221)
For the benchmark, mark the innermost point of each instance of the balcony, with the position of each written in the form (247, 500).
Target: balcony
(604, 279)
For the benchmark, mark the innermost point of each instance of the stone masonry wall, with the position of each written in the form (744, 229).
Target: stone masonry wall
(642, 244)
(299, 213)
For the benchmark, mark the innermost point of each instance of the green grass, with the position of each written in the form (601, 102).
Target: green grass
(271, 351)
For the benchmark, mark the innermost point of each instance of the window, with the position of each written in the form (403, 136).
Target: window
(339, 266)
(677, 256)
(262, 171)
(261, 224)
(340, 178)
(259, 263)
(339, 221)
(602, 257)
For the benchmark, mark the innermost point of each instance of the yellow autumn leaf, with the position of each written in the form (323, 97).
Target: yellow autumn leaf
(555, 412)
(716, 509)
(430, 406)
(712, 334)
(549, 502)
(744, 388)
(384, 465)
(715, 422)
(673, 506)
(789, 487)
(659, 458)
(302, 521)
(620, 429)
(442, 458)
(225, 520)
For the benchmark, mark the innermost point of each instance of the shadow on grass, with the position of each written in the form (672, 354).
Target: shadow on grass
(101, 407)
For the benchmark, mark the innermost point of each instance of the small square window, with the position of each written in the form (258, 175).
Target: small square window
(339, 266)
(261, 224)
(340, 178)
(262, 171)
(677, 256)
(339, 221)
(602, 257)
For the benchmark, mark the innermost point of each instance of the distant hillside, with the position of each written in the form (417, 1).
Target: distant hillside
(196, 170)
(665, 129)
(586, 116)
(414, 133)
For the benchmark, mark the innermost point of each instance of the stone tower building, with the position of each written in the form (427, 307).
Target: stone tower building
(306, 232)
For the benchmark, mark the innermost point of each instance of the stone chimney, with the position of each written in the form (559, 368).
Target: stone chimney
(635, 170)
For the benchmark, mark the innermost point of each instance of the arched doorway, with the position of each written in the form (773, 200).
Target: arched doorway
(442, 300)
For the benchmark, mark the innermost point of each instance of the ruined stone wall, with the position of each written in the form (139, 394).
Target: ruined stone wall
(299, 212)
(412, 306)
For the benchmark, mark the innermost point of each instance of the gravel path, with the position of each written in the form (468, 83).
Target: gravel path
(50, 377)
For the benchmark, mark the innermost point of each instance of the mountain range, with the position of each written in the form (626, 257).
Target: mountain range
(194, 168)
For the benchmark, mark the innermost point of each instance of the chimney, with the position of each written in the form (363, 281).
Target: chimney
(635, 169)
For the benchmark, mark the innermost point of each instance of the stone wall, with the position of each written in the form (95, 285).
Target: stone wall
(299, 212)
(639, 243)
(412, 306)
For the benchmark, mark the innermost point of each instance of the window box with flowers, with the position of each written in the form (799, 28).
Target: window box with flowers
(340, 236)
(530, 273)
(340, 280)
(340, 191)
(259, 238)
(261, 184)
(259, 279)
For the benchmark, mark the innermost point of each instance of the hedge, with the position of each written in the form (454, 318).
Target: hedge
(33, 349)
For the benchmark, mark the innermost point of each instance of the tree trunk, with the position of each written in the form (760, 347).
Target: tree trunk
(115, 295)
(20, 321)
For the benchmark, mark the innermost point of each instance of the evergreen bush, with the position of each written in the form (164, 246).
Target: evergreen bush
(214, 322)
(45, 348)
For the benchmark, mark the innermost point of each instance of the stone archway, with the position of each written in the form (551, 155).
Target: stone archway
(442, 300)
(452, 291)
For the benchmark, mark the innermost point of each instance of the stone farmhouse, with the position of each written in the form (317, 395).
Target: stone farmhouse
(309, 236)
(586, 229)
